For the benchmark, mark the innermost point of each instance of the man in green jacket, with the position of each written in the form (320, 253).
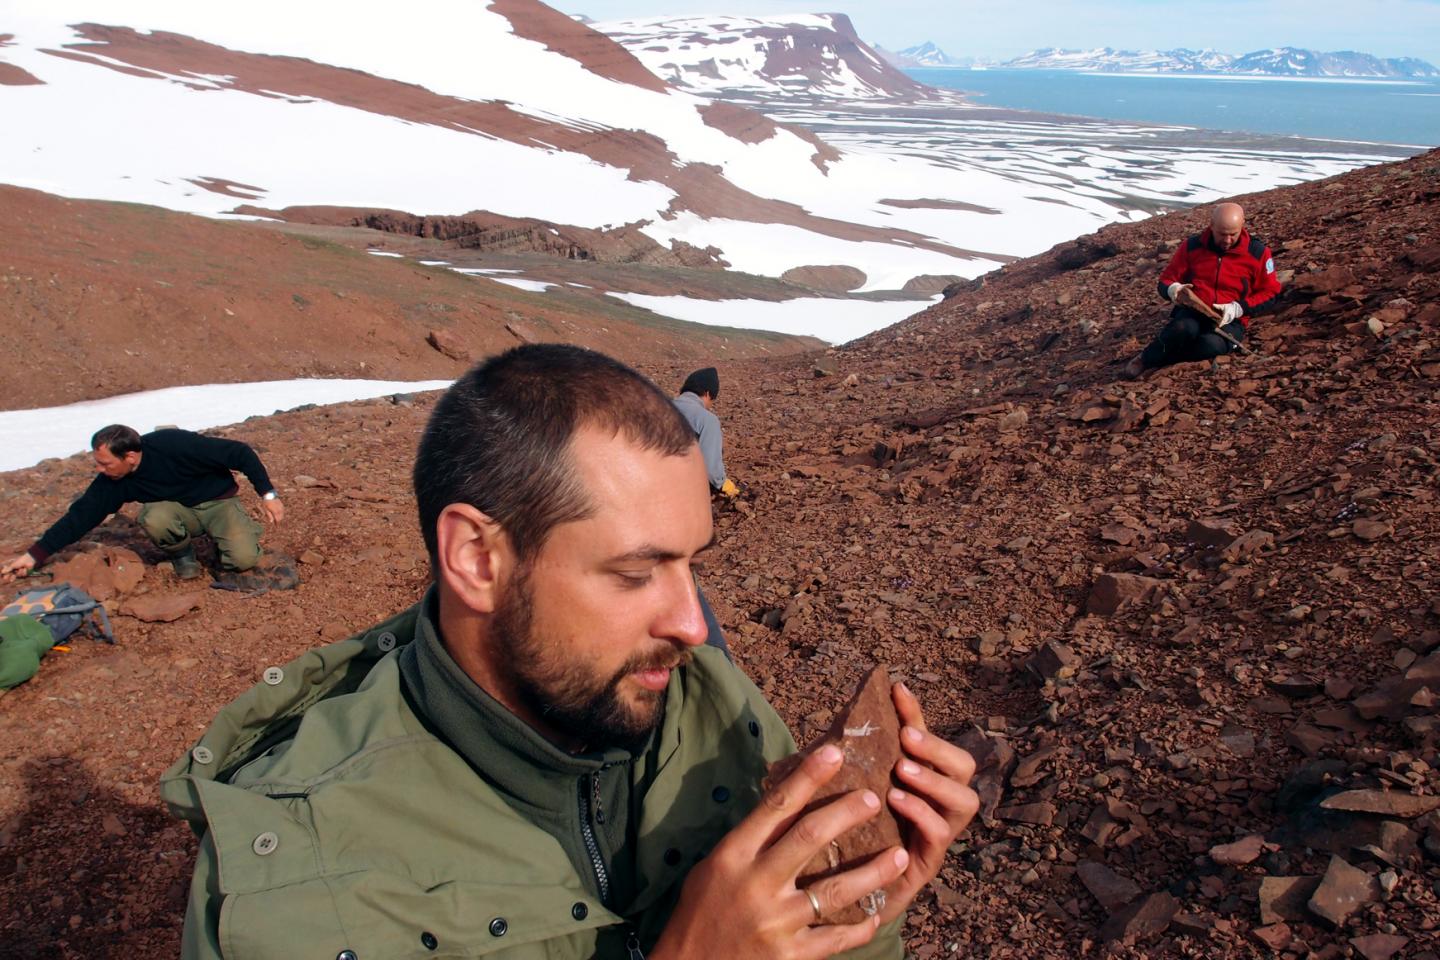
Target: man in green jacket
(542, 759)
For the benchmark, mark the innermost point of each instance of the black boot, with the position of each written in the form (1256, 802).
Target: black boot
(186, 566)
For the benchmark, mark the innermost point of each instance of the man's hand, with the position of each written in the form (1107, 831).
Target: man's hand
(728, 489)
(741, 902)
(1173, 291)
(939, 807)
(17, 567)
(274, 510)
(1229, 312)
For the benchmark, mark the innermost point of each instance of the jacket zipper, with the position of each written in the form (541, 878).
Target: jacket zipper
(632, 944)
(592, 847)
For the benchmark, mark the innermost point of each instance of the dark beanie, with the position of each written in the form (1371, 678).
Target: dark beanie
(703, 381)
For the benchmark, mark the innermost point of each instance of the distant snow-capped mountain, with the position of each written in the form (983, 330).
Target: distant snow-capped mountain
(1279, 62)
(928, 54)
(807, 54)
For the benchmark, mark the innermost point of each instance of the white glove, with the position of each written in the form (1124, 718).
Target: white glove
(1173, 289)
(1229, 312)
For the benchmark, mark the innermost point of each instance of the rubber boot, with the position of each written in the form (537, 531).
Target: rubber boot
(186, 566)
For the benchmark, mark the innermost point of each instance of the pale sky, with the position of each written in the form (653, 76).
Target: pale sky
(1386, 28)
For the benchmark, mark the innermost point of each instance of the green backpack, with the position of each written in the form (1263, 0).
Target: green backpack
(38, 619)
(23, 641)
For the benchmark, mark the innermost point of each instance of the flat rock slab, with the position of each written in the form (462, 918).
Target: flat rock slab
(1246, 850)
(161, 607)
(1378, 946)
(1343, 890)
(1284, 898)
(1388, 803)
(867, 731)
(1142, 920)
(1111, 890)
(1114, 592)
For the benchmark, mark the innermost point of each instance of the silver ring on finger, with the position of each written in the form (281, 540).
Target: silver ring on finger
(814, 904)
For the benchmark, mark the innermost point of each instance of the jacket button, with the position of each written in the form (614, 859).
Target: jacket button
(202, 755)
(579, 911)
(428, 941)
(273, 675)
(265, 844)
(498, 927)
(754, 729)
(672, 857)
(346, 955)
(386, 643)
(720, 794)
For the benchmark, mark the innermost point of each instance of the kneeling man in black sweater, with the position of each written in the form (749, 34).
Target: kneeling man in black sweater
(187, 486)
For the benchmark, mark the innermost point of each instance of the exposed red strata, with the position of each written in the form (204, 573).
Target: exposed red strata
(229, 188)
(493, 233)
(700, 188)
(13, 76)
(751, 126)
(571, 38)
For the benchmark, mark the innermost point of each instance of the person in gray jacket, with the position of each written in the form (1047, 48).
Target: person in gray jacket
(696, 404)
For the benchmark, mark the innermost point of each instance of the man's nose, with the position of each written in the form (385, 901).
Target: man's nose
(683, 621)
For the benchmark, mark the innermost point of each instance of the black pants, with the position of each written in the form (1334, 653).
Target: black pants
(716, 636)
(1189, 337)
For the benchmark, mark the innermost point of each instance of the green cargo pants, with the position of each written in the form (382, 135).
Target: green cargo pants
(236, 536)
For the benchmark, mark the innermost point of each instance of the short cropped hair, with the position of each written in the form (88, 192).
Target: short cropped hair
(117, 438)
(499, 439)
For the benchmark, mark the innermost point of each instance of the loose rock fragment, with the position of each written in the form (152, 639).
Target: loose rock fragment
(1343, 890)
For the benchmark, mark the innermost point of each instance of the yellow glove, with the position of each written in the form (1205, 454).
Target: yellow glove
(728, 489)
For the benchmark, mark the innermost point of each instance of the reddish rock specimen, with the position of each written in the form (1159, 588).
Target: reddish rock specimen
(161, 608)
(868, 731)
(104, 573)
(449, 343)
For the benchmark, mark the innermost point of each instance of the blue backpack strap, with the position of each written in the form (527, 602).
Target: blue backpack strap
(1257, 248)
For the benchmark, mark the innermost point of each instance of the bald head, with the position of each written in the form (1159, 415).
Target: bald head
(1227, 220)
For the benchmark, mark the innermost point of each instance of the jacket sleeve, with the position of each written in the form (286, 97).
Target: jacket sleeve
(1176, 271)
(234, 455)
(200, 939)
(712, 446)
(1265, 288)
(102, 498)
(885, 946)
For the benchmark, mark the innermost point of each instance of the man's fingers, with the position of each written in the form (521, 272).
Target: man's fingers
(828, 940)
(907, 707)
(812, 832)
(840, 891)
(782, 803)
(951, 761)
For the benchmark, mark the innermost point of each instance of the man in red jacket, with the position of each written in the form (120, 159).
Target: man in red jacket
(1227, 268)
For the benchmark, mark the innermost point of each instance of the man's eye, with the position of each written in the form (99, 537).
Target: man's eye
(633, 579)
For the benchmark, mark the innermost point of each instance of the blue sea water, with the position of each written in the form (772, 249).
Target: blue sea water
(1373, 111)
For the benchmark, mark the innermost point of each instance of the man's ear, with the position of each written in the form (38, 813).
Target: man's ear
(475, 556)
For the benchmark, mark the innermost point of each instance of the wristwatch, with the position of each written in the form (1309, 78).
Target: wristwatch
(272, 495)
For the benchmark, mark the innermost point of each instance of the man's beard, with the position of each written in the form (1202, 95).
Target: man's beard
(564, 692)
